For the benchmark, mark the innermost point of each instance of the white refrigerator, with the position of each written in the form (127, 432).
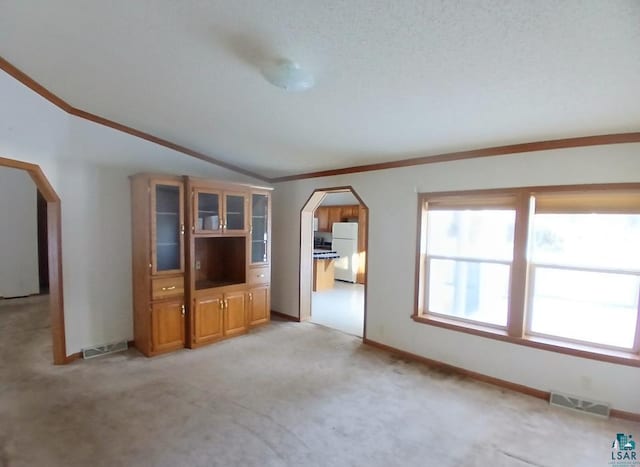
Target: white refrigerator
(345, 243)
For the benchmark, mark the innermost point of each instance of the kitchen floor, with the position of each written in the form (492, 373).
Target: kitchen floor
(340, 308)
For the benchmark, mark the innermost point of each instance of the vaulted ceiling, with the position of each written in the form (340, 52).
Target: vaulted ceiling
(395, 79)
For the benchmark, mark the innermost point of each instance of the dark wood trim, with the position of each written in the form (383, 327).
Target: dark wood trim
(54, 243)
(445, 367)
(62, 104)
(532, 190)
(581, 141)
(295, 319)
(73, 357)
(564, 143)
(615, 413)
(452, 369)
(33, 85)
(592, 353)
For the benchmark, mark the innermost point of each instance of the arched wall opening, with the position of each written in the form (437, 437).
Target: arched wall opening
(54, 244)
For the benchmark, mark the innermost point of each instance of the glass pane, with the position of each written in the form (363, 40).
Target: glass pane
(167, 227)
(235, 212)
(588, 306)
(471, 290)
(258, 252)
(259, 228)
(587, 240)
(208, 211)
(479, 234)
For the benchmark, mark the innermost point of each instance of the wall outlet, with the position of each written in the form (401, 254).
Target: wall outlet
(197, 265)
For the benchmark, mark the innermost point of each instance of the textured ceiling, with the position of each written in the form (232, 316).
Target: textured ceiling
(395, 79)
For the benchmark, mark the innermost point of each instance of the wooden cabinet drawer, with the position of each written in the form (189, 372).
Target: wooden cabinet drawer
(259, 276)
(163, 287)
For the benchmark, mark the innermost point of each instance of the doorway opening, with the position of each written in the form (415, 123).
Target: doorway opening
(333, 260)
(53, 251)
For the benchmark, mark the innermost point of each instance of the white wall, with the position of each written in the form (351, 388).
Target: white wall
(88, 165)
(18, 234)
(392, 201)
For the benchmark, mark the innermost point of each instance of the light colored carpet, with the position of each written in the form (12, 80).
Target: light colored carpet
(285, 395)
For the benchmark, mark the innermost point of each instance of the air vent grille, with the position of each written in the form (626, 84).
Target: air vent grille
(578, 404)
(98, 350)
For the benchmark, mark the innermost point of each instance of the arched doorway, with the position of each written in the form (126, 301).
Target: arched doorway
(54, 243)
(307, 244)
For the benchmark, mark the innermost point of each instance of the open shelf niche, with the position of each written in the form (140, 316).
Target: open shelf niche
(221, 261)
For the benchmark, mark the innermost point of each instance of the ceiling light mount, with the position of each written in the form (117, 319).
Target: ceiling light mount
(288, 75)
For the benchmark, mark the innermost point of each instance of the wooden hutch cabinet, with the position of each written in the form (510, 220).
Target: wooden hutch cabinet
(201, 260)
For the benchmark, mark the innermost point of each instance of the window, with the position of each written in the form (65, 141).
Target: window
(584, 272)
(554, 265)
(468, 260)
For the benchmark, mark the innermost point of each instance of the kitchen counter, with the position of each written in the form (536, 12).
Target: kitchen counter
(323, 269)
(320, 253)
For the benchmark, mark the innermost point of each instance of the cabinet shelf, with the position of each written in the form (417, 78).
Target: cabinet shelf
(166, 213)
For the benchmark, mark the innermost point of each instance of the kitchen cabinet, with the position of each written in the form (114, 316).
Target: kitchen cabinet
(322, 213)
(327, 215)
(335, 215)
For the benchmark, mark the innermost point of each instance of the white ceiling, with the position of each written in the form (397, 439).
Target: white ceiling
(395, 79)
(344, 198)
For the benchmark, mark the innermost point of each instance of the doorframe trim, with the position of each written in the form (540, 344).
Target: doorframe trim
(305, 262)
(54, 242)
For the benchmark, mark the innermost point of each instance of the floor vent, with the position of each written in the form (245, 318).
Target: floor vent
(99, 350)
(566, 401)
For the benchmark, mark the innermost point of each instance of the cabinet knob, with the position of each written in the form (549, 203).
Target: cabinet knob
(182, 310)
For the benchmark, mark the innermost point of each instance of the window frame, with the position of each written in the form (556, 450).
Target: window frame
(517, 330)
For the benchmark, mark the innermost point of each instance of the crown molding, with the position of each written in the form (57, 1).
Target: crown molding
(582, 141)
(64, 105)
(565, 143)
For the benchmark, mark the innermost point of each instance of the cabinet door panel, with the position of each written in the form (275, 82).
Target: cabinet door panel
(235, 212)
(167, 227)
(207, 209)
(167, 325)
(259, 305)
(322, 213)
(334, 216)
(208, 318)
(235, 320)
(259, 228)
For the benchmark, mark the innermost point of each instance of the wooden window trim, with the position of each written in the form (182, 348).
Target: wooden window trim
(552, 345)
(515, 331)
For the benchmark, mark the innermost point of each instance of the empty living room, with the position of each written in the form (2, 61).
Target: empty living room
(196, 196)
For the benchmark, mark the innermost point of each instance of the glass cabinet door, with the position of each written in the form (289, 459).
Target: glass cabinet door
(167, 228)
(259, 228)
(207, 216)
(235, 213)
